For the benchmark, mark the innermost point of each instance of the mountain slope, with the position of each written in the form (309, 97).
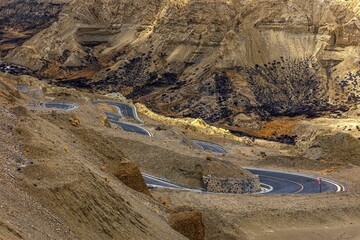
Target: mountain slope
(229, 62)
(22, 19)
(57, 181)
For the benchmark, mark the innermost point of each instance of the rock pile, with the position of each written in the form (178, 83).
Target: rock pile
(231, 185)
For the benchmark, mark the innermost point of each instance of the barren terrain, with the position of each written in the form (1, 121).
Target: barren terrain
(231, 63)
(57, 179)
(276, 83)
(64, 174)
(20, 20)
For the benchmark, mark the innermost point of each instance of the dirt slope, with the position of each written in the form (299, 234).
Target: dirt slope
(20, 20)
(328, 216)
(56, 180)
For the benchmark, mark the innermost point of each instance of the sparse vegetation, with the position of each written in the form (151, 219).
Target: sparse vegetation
(350, 87)
(64, 175)
(165, 202)
(287, 87)
(74, 122)
(105, 122)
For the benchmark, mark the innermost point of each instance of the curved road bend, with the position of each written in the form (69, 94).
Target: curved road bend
(127, 110)
(292, 183)
(128, 127)
(112, 117)
(281, 183)
(152, 181)
(63, 106)
(156, 182)
(124, 109)
(210, 146)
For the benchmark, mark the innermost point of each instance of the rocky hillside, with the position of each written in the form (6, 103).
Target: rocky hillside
(232, 63)
(22, 19)
(61, 180)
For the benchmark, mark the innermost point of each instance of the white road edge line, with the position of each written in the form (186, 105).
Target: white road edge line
(159, 180)
(119, 111)
(214, 145)
(73, 108)
(268, 188)
(135, 113)
(340, 188)
(134, 125)
(121, 115)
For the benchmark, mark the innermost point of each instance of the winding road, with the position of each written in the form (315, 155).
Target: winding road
(282, 182)
(210, 146)
(293, 183)
(278, 182)
(125, 110)
(128, 127)
(63, 106)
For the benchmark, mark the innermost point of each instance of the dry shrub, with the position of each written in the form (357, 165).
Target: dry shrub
(74, 122)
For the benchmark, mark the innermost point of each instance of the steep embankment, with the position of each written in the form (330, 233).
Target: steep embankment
(22, 19)
(61, 177)
(232, 63)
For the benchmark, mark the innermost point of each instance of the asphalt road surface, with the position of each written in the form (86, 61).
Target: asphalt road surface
(152, 181)
(281, 183)
(113, 117)
(125, 110)
(63, 106)
(129, 127)
(210, 146)
(132, 128)
(290, 183)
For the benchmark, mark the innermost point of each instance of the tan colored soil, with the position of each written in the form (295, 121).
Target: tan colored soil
(53, 185)
(189, 223)
(129, 173)
(57, 181)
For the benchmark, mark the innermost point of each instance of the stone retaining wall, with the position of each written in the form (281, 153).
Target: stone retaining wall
(231, 185)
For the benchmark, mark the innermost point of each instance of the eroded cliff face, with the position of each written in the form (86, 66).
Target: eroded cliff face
(228, 62)
(22, 19)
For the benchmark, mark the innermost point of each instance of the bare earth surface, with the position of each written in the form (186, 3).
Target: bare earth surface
(57, 178)
(285, 71)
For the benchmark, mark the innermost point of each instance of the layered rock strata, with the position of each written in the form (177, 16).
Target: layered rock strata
(222, 61)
